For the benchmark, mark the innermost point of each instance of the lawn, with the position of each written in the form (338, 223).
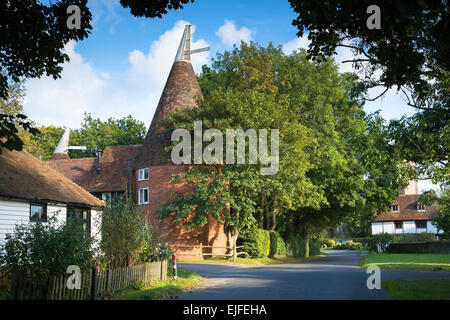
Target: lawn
(163, 289)
(418, 289)
(419, 261)
(255, 261)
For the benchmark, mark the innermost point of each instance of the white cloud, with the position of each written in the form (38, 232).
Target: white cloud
(148, 72)
(104, 93)
(63, 101)
(295, 44)
(230, 35)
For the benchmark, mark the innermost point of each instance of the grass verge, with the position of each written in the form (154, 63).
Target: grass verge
(255, 261)
(162, 289)
(417, 261)
(418, 289)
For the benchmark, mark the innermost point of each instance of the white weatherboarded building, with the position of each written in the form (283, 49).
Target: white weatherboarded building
(407, 215)
(30, 191)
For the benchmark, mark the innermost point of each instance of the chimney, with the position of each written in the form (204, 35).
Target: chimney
(99, 152)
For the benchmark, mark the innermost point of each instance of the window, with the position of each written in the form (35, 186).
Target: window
(398, 224)
(38, 212)
(394, 208)
(143, 196)
(421, 224)
(112, 199)
(83, 214)
(420, 207)
(143, 174)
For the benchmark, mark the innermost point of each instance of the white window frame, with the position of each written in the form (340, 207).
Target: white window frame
(140, 200)
(141, 174)
(421, 207)
(395, 205)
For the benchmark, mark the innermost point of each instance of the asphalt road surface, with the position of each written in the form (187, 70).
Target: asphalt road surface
(336, 276)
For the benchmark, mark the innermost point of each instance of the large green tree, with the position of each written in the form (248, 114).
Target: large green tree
(94, 133)
(333, 162)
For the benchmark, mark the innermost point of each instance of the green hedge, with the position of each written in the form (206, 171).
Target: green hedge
(277, 245)
(257, 243)
(314, 247)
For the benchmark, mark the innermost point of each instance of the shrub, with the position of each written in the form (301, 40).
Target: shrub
(356, 246)
(314, 247)
(281, 246)
(277, 245)
(330, 243)
(413, 237)
(46, 249)
(381, 240)
(363, 240)
(155, 246)
(257, 243)
(123, 234)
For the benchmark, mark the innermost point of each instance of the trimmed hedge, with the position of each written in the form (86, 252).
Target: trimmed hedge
(314, 247)
(413, 237)
(420, 247)
(257, 243)
(277, 245)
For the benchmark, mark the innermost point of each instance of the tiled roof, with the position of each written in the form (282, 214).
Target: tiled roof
(180, 91)
(113, 174)
(60, 156)
(407, 206)
(26, 177)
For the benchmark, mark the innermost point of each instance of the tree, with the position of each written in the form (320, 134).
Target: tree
(12, 119)
(442, 201)
(123, 232)
(94, 133)
(409, 52)
(43, 144)
(332, 163)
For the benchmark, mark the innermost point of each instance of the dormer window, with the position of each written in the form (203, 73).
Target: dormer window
(420, 207)
(143, 174)
(394, 208)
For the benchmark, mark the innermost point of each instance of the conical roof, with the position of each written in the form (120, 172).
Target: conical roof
(181, 91)
(60, 152)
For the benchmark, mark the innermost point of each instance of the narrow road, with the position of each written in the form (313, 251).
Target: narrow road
(337, 276)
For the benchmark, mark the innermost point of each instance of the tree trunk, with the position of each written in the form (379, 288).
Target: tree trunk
(274, 214)
(261, 211)
(266, 209)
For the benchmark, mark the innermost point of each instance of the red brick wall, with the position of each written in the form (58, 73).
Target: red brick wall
(159, 184)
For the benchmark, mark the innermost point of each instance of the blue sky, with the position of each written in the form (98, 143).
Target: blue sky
(122, 67)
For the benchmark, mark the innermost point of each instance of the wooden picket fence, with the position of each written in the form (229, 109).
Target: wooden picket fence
(108, 282)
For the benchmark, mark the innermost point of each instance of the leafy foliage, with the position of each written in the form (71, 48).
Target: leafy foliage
(380, 241)
(156, 247)
(277, 245)
(124, 234)
(43, 249)
(33, 35)
(94, 133)
(127, 239)
(12, 119)
(151, 8)
(257, 242)
(442, 221)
